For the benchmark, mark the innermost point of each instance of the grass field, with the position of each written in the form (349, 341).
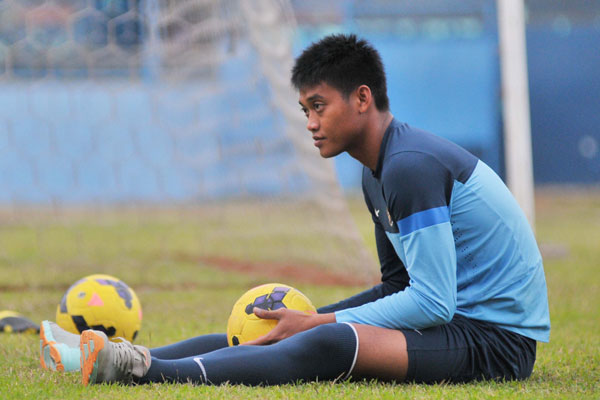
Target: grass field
(186, 299)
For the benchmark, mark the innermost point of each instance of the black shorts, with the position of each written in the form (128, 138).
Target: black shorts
(467, 350)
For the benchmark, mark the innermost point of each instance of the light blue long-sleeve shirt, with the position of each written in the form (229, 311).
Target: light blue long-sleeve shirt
(465, 243)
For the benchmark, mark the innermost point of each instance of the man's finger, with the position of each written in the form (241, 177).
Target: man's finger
(263, 340)
(267, 314)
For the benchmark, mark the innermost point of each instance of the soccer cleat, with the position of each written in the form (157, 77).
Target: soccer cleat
(106, 361)
(59, 349)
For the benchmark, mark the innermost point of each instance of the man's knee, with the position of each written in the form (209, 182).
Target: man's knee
(324, 352)
(326, 341)
(332, 338)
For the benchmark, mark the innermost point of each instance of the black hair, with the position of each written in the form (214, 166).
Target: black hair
(344, 62)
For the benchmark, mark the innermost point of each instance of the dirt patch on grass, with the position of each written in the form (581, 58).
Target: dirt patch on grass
(284, 271)
(268, 270)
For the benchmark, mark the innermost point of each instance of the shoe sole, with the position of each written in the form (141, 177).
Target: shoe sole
(49, 355)
(43, 343)
(91, 344)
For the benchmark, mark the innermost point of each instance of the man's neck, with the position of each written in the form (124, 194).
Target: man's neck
(367, 152)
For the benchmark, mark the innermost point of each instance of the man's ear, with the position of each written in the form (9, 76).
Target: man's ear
(364, 98)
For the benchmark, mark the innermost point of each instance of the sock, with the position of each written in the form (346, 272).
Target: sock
(326, 352)
(191, 347)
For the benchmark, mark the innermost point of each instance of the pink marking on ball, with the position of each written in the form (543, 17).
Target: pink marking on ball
(95, 301)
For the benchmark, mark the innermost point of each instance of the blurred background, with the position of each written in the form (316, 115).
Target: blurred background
(442, 63)
(179, 113)
(159, 141)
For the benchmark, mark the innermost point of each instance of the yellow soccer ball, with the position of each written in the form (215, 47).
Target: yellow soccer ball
(100, 302)
(244, 325)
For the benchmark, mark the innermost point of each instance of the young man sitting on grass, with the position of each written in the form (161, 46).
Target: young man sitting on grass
(463, 295)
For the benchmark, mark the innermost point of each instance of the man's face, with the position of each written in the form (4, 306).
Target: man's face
(332, 119)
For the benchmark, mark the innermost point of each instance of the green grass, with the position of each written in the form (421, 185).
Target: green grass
(183, 298)
(138, 244)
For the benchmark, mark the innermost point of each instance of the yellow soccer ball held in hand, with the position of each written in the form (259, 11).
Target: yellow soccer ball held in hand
(244, 326)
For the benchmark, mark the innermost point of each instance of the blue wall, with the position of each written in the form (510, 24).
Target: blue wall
(564, 81)
(68, 139)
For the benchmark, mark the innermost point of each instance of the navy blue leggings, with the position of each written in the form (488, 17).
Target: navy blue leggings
(327, 352)
(191, 347)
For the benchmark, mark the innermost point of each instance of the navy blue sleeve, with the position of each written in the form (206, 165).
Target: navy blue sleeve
(393, 272)
(394, 277)
(369, 295)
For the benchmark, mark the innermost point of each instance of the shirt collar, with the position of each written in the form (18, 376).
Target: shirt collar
(382, 148)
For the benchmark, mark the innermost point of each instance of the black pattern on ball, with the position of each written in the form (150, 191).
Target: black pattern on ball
(271, 301)
(121, 288)
(82, 325)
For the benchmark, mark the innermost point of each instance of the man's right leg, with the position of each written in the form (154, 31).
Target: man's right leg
(191, 347)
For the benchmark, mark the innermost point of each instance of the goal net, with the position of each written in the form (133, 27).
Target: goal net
(139, 137)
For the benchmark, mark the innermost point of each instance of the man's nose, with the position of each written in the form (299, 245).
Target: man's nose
(312, 124)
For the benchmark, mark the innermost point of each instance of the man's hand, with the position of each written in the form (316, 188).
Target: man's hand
(289, 323)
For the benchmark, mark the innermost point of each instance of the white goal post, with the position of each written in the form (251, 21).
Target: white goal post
(515, 104)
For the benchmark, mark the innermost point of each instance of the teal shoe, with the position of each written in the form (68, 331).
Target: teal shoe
(59, 349)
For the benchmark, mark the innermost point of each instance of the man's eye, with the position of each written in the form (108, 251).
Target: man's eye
(318, 106)
(305, 111)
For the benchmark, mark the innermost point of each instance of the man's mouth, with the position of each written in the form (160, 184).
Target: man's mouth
(318, 140)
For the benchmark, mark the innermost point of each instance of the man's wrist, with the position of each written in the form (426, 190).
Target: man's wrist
(321, 319)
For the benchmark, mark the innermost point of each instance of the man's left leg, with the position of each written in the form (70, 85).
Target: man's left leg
(327, 352)
(462, 350)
